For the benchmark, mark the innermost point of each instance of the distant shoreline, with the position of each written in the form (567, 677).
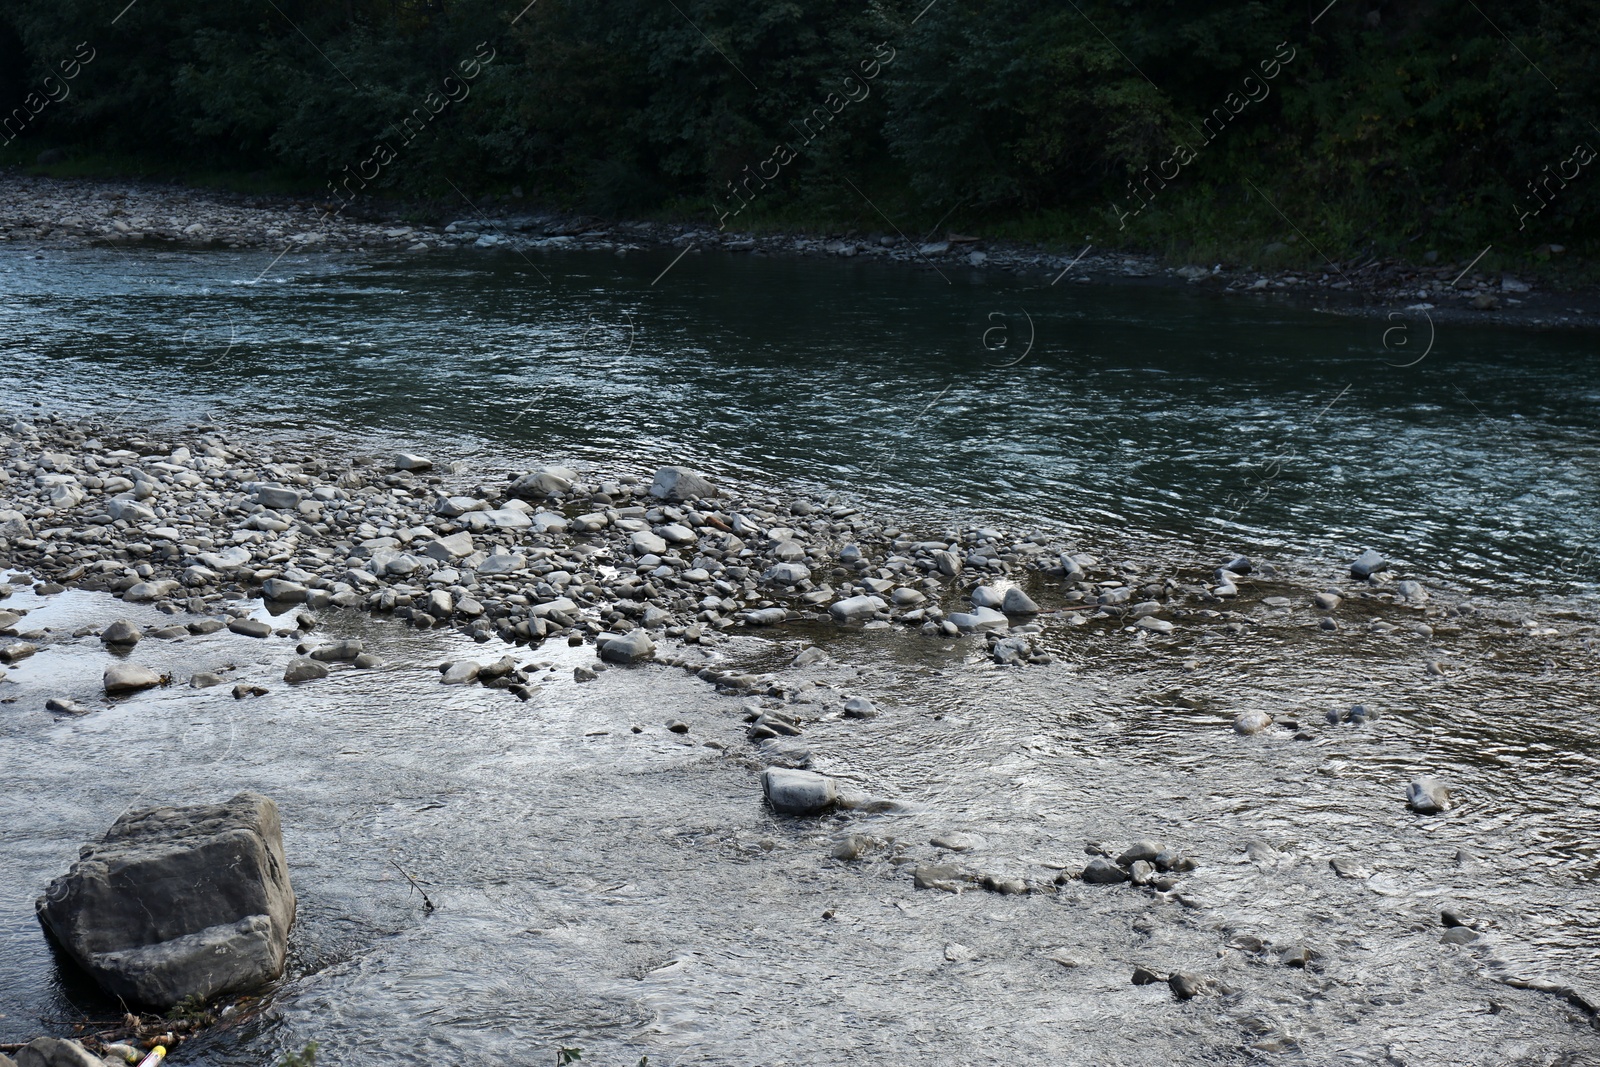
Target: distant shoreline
(42, 214)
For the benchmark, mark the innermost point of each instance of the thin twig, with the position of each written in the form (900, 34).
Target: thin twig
(427, 905)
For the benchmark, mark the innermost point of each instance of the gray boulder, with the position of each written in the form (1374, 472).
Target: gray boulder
(282, 590)
(53, 1052)
(121, 632)
(128, 677)
(1017, 602)
(679, 484)
(277, 497)
(856, 607)
(1102, 871)
(792, 792)
(146, 591)
(409, 461)
(304, 670)
(544, 482)
(1367, 564)
(178, 902)
(631, 647)
(987, 596)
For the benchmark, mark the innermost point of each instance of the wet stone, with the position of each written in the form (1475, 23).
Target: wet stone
(1102, 871)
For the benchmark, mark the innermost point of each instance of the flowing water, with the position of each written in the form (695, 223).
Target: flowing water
(627, 893)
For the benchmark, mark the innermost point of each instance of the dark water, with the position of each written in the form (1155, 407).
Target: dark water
(1135, 413)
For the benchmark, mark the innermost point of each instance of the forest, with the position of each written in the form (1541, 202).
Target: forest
(1212, 124)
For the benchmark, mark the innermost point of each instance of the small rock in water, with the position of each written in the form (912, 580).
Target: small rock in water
(631, 647)
(850, 848)
(1459, 935)
(956, 842)
(987, 596)
(1296, 956)
(854, 608)
(1367, 564)
(859, 707)
(677, 726)
(204, 680)
(583, 674)
(304, 670)
(798, 792)
(459, 673)
(1145, 976)
(1017, 602)
(1188, 986)
(1428, 796)
(809, 656)
(1102, 871)
(1239, 565)
(128, 678)
(17, 651)
(63, 706)
(1327, 600)
(121, 632)
(956, 952)
(407, 461)
(1139, 850)
(251, 627)
(945, 877)
(1251, 722)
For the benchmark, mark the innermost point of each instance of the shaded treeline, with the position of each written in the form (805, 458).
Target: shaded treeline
(1378, 126)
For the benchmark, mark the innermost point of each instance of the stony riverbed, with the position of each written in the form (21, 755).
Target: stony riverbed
(1086, 803)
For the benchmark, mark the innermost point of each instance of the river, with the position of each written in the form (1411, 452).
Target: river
(627, 893)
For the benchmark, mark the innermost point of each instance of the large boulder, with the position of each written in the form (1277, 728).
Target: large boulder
(679, 484)
(178, 902)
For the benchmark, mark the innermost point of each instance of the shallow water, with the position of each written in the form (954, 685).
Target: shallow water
(628, 894)
(1148, 414)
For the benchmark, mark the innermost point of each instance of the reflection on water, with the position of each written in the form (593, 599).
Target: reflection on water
(1139, 413)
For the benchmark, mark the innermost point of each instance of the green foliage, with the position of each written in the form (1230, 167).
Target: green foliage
(191, 1009)
(568, 1055)
(306, 1057)
(1397, 121)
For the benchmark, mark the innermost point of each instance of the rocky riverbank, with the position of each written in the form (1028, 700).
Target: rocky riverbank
(41, 213)
(202, 524)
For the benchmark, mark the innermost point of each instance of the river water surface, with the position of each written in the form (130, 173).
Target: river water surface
(627, 893)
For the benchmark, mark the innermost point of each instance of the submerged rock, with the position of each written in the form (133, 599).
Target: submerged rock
(175, 903)
(1428, 796)
(1251, 722)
